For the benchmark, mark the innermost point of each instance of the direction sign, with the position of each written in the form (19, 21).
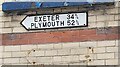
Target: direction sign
(48, 21)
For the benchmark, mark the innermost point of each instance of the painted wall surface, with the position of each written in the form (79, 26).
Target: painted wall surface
(96, 44)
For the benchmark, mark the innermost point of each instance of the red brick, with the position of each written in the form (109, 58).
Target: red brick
(57, 34)
(19, 42)
(43, 35)
(112, 36)
(75, 39)
(66, 39)
(70, 33)
(27, 36)
(36, 41)
(7, 42)
(102, 37)
(56, 37)
(87, 32)
(0, 36)
(4, 36)
(53, 40)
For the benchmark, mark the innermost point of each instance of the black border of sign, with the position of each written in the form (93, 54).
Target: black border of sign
(56, 27)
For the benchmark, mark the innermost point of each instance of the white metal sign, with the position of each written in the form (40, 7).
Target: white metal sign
(48, 21)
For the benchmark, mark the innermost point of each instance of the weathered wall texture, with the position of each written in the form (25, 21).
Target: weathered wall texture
(96, 44)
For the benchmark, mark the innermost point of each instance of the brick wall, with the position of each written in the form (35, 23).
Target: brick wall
(96, 44)
(83, 53)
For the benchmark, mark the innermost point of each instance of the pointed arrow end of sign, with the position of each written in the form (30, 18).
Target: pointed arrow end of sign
(23, 24)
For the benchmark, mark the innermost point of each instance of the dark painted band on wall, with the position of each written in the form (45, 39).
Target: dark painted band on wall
(98, 34)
